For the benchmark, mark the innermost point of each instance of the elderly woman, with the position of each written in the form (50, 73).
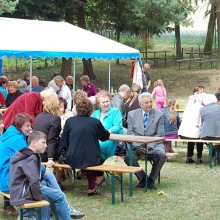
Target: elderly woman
(13, 93)
(88, 87)
(80, 138)
(111, 119)
(78, 96)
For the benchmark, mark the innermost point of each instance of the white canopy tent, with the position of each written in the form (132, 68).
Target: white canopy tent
(34, 38)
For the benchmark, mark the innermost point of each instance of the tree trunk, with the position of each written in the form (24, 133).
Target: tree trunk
(218, 27)
(178, 42)
(66, 68)
(210, 31)
(87, 64)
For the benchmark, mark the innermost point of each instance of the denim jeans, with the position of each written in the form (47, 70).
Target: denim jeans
(58, 202)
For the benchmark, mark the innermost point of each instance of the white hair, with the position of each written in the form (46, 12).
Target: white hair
(142, 95)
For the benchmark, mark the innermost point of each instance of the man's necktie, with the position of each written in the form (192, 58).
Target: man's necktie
(145, 121)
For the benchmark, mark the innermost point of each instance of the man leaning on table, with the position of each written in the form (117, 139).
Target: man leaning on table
(147, 121)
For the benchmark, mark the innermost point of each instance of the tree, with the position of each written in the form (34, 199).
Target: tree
(8, 6)
(81, 21)
(211, 29)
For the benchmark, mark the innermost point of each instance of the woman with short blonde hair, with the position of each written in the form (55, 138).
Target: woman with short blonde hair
(13, 92)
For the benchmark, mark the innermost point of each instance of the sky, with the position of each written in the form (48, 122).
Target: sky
(200, 22)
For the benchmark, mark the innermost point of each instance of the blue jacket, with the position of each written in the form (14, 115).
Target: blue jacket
(170, 128)
(113, 123)
(10, 142)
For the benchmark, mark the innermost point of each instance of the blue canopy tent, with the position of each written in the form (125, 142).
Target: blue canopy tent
(35, 38)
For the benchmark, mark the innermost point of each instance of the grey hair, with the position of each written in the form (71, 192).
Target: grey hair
(59, 78)
(142, 95)
(124, 88)
(22, 84)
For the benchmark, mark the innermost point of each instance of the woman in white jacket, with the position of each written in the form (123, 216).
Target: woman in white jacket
(190, 127)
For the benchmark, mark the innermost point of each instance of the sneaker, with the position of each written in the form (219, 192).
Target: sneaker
(10, 211)
(190, 160)
(75, 214)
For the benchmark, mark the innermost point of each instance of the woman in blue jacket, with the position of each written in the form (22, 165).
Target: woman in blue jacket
(10, 142)
(111, 119)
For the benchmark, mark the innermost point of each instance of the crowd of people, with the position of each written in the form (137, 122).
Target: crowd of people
(44, 122)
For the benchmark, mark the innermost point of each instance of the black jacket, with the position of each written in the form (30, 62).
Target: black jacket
(11, 97)
(25, 175)
(80, 136)
(51, 126)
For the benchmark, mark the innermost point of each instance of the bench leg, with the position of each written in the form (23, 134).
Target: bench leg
(113, 187)
(210, 154)
(121, 185)
(21, 213)
(146, 170)
(131, 163)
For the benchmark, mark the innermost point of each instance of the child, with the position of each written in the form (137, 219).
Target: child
(160, 93)
(171, 123)
(25, 177)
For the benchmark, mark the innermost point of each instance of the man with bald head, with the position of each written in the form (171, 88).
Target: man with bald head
(118, 101)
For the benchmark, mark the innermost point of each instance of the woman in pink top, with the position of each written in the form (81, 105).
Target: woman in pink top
(160, 93)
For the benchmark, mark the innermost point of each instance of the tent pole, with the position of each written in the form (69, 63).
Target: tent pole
(30, 74)
(74, 75)
(109, 76)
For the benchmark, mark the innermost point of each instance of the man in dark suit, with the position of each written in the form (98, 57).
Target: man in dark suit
(147, 121)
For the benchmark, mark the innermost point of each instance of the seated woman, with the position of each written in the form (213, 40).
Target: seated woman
(49, 123)
(13, 93)
(172, 123)
(10, 142)
(88, 87)
(80, 138)
(111, 119)
(133, 102)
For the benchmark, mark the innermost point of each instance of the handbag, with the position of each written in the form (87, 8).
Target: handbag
(62, 156)
(121, 149)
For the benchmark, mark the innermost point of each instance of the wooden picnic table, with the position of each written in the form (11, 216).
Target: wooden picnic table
(210, 143)
(138, 139)
(155, 58)
(200, 53)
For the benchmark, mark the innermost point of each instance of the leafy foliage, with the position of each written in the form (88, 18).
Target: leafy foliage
(7, 6)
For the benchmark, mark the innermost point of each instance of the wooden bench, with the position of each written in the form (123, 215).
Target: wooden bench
(210, 145)
(205, 61)
(116, 172)
(35, 205)
(190, 61)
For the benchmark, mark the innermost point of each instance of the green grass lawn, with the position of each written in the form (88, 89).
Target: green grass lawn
(191, 192)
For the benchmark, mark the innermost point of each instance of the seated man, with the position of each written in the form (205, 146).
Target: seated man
(210, 117)
(25, 177)
(147, 121)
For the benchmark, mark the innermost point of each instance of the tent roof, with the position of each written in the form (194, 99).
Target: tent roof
(25, 38)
